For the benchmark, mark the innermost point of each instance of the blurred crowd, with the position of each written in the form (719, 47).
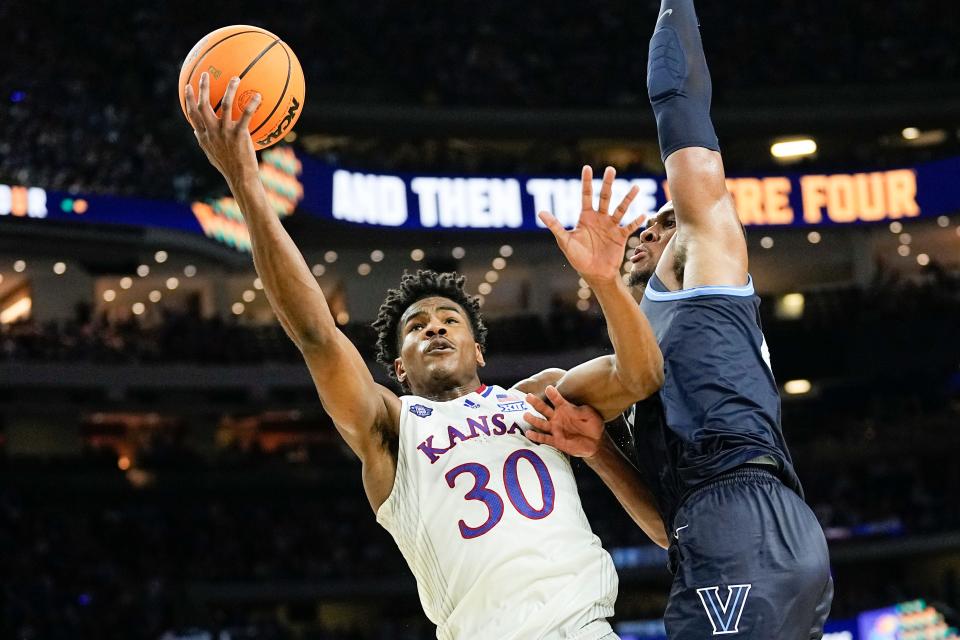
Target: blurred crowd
(89, 91)
(184, 337)
(836, 336)
(84, 554)
(88, 568)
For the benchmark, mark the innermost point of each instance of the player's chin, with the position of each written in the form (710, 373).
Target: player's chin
(443, 367)
(640, 274)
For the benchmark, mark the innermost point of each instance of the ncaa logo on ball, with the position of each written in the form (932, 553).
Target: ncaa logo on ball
(284, 124)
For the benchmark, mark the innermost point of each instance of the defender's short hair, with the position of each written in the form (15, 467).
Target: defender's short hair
(417, 286)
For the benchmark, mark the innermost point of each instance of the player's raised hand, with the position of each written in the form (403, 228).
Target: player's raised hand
(572, 429)
(226, 142)
(595, 247)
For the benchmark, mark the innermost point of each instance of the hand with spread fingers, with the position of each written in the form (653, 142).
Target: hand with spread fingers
(574, 430)
(596, 246)
(226, 142)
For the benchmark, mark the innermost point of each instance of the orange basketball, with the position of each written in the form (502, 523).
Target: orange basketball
(264, 64)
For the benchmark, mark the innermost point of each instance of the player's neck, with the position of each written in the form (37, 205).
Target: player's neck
(442, 393)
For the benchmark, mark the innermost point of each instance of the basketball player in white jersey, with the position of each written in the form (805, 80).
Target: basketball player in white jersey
(489, 522)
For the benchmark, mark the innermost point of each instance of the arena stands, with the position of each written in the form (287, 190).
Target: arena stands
(69, 124)
(169, 474)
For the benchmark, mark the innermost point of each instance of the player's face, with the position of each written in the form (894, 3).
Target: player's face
(653, 241)
(437, 348)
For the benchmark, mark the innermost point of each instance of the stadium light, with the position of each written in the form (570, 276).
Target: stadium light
(797, 387)
(16, 311)
(789, 149)
(59, 268)
(790, 306)
(910, 133)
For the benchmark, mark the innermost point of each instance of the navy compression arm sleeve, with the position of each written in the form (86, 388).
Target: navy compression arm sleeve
(678, 80)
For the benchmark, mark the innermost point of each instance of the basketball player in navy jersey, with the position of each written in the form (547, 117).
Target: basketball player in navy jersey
(748, 556)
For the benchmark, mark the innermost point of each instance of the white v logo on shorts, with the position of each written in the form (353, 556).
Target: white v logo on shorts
(724, 617)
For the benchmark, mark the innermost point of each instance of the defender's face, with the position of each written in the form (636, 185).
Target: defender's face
(437, 347)
(653, 242)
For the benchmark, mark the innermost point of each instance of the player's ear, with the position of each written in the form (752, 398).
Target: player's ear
(399, 370)
(479, 351)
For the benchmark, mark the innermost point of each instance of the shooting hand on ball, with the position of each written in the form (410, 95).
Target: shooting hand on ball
(226, 142)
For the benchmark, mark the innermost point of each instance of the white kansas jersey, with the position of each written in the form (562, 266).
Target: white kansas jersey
(491, 525)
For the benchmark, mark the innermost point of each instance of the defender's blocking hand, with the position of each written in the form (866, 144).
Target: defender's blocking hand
(595, 247)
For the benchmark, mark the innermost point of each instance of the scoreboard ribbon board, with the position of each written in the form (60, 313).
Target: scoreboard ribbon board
(439, 202)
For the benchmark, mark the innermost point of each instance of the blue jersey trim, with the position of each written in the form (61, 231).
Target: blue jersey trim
(488, 391)
(695, 292)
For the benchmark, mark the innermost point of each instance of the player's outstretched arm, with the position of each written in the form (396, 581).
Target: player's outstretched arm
(595, 248)
(680, 90)
(365, 413)
(579, 431)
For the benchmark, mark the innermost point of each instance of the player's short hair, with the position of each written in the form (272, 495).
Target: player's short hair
(417, 286)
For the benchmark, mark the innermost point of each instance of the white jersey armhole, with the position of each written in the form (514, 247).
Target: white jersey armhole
(387, 512)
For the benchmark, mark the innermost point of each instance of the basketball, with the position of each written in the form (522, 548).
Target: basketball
(264, 64)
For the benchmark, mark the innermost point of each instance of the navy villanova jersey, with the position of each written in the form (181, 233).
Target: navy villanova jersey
(719, 406)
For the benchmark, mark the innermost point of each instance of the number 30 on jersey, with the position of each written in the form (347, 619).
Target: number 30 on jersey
(492, 500)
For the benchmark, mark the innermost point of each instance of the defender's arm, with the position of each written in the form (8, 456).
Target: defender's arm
(579, 431)
(595, 249)
(680, 90)
(365, 414)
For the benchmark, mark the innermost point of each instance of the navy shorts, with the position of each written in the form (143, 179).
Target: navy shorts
(749, 561)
